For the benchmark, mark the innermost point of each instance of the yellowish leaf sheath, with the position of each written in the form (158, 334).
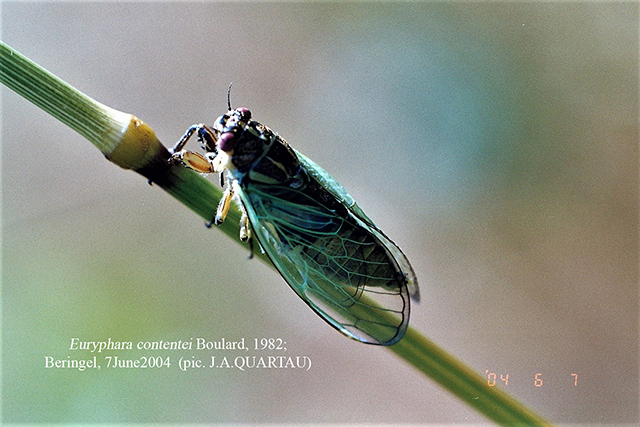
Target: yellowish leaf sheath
(138, 145)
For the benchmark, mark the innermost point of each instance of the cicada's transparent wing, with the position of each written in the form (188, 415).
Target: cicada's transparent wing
(336, 261)
(327, 181)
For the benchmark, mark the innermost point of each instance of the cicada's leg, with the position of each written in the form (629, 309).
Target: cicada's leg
(191, 159)
(223, 206)
(250, 247)
(195, 161)
(206, 137)
(183, 141)
(245, 230)
(176, 152)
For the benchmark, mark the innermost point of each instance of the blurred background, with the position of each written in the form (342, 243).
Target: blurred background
(495, 143)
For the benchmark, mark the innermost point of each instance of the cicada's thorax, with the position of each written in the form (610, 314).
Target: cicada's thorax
(251, 151)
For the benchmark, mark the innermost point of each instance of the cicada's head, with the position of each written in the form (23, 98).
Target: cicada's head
(241, 143)
(229, 128)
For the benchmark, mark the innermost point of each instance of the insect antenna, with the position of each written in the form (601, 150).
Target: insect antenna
(229, 96)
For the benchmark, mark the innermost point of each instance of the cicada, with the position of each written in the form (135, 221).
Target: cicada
(325, 247)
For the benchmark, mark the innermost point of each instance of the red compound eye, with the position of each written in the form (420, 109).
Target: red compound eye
(226, 142)
(245, 113)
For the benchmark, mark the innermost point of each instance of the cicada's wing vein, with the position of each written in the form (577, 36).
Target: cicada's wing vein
(333, 260)
(328, 182)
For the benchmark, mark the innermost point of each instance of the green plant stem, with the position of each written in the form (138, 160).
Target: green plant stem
(131, 144)
(462, 381)
(98, 123)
